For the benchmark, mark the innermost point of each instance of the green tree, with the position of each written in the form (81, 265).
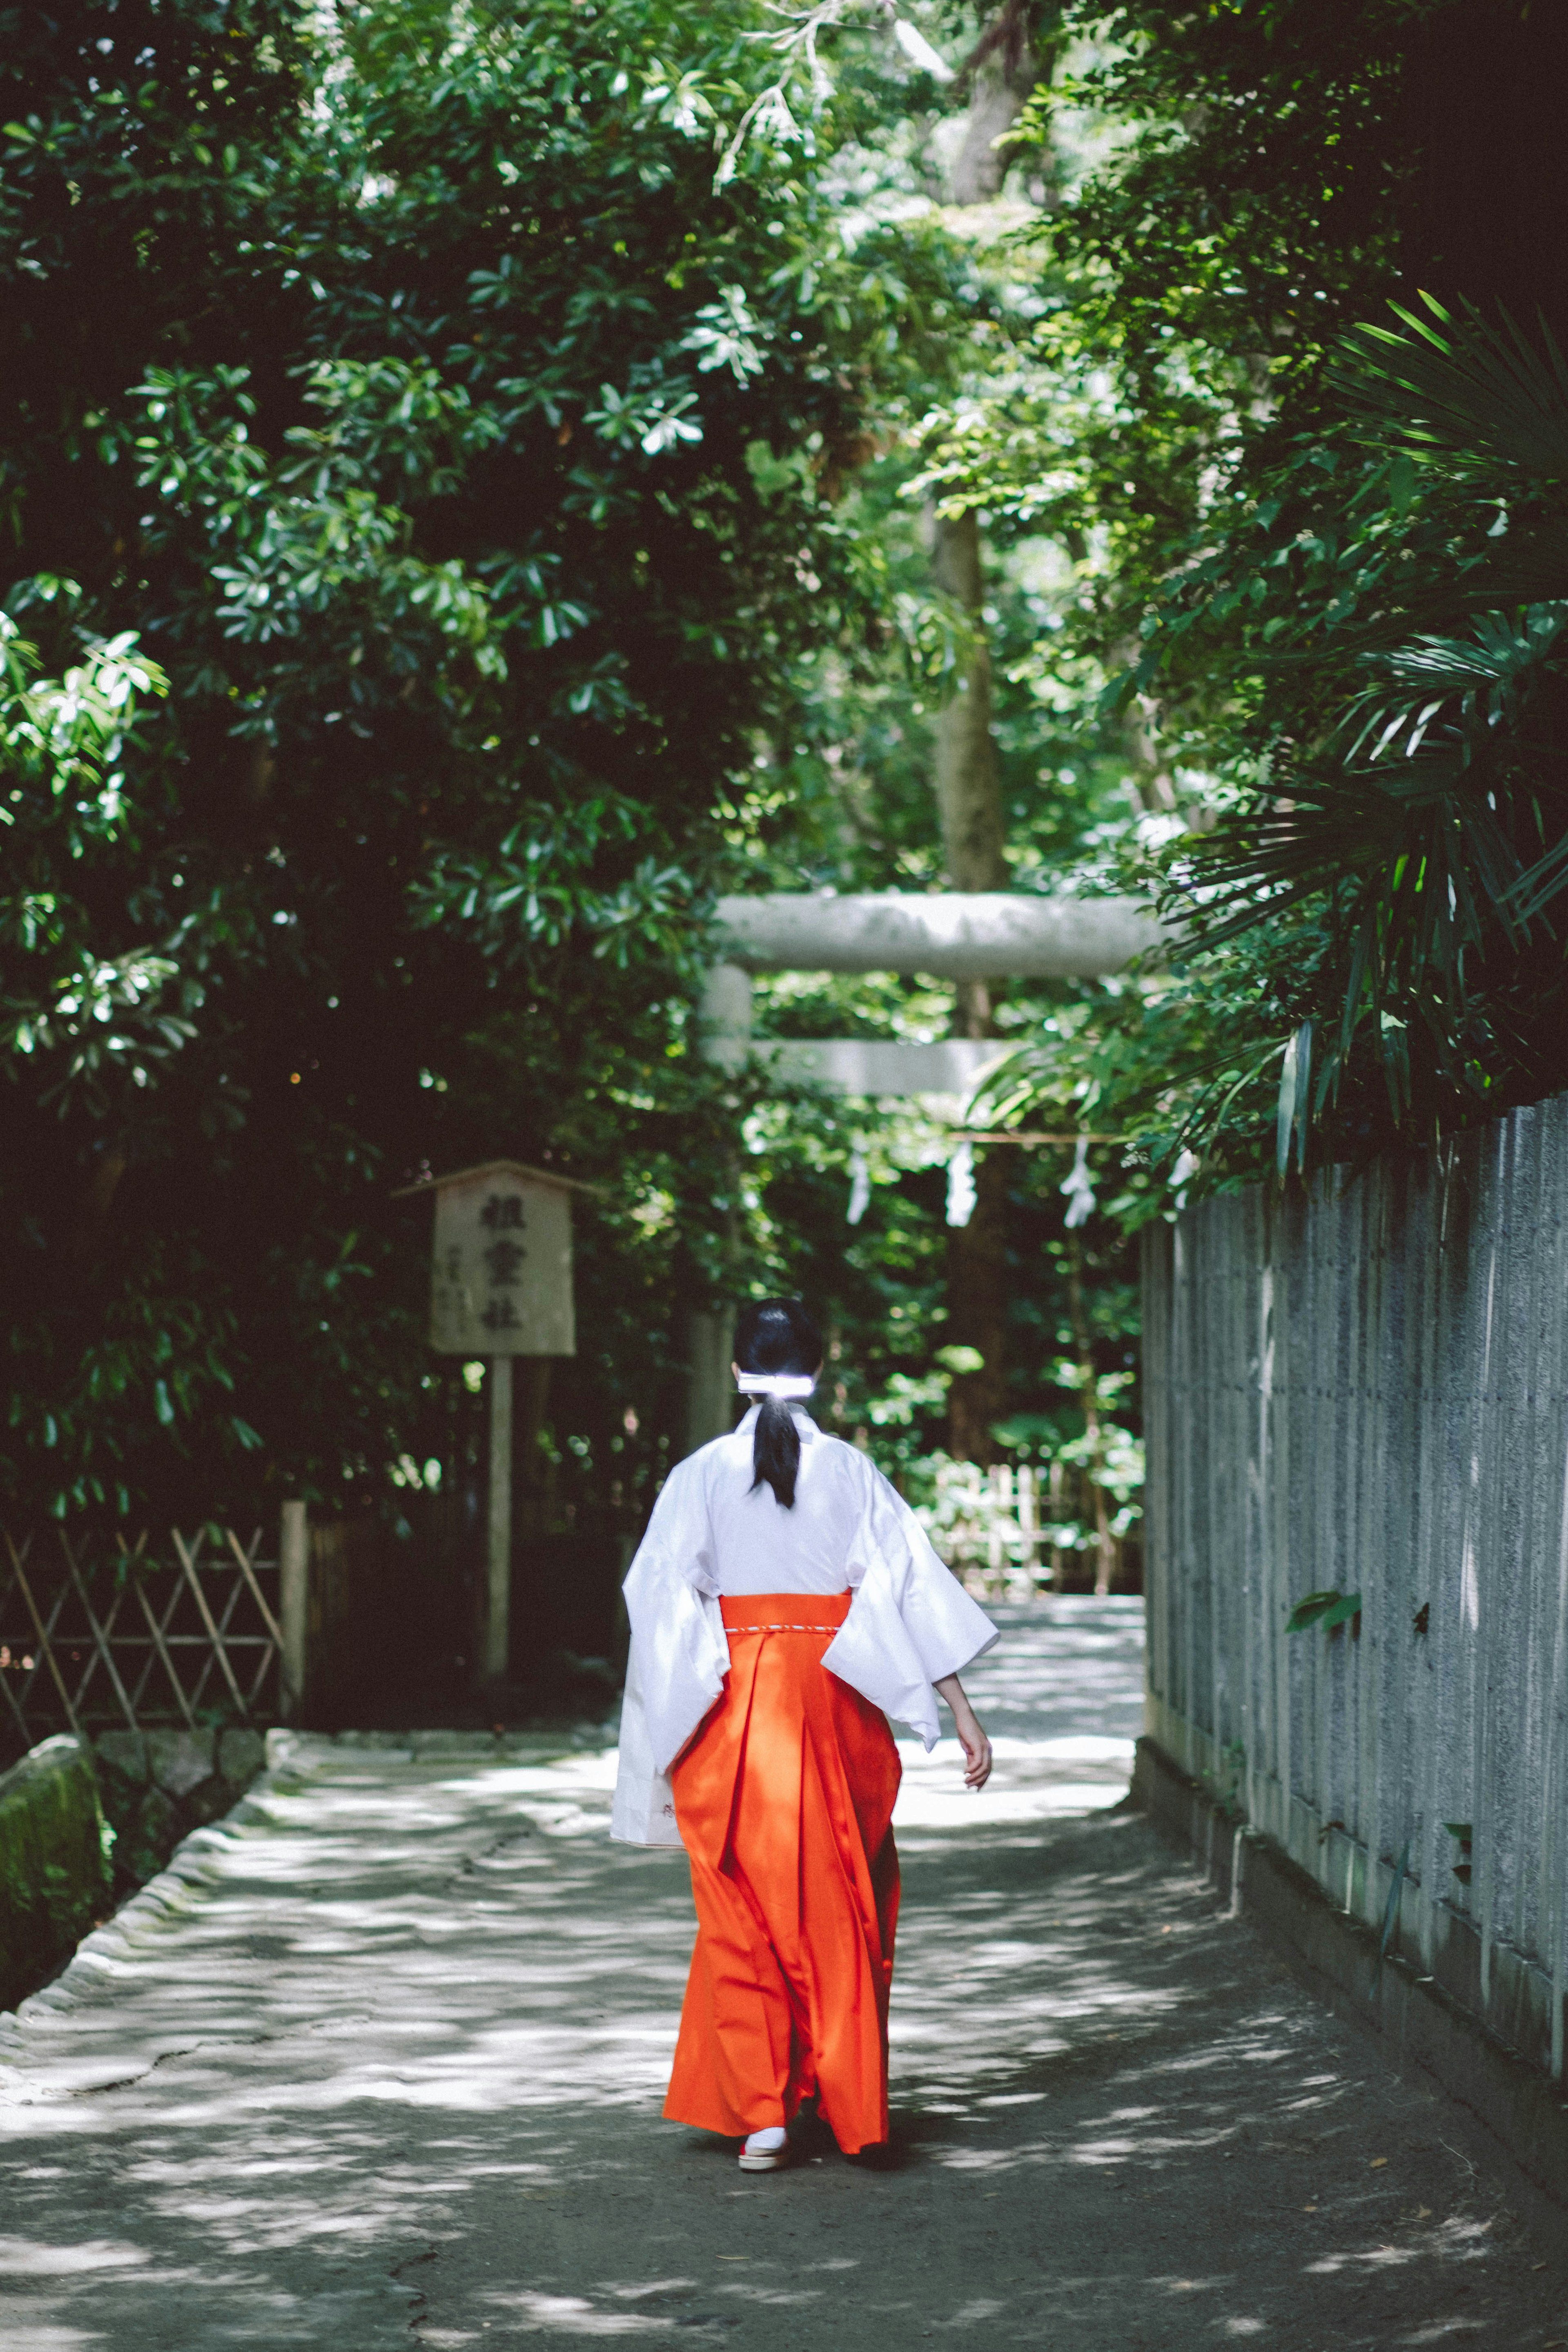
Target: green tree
(430, 442)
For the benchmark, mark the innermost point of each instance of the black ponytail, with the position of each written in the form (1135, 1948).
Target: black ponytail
(777, 1335)
(776, 1450)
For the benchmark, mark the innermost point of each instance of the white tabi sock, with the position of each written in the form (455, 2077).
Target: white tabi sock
(766, 2143)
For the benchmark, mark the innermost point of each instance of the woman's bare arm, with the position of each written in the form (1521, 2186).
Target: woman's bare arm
(966, 1722)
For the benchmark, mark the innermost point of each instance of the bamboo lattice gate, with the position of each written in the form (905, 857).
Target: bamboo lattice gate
(120, 1636)
(1008, 1532)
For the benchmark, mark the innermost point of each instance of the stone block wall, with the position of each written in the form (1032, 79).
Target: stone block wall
(157, 1786)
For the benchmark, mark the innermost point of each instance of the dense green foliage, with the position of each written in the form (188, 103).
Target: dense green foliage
(404, 392)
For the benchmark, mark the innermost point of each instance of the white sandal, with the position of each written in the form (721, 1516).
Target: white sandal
(766, 2151)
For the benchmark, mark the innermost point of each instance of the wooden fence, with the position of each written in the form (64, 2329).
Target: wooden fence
(1005, 1530)
(1360, 1401)
(109, 1634)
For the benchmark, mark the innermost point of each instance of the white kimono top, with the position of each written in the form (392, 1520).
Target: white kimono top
(712, 1532)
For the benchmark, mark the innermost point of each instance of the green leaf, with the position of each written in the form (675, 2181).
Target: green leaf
(1325, 1609)
(1293, 1115)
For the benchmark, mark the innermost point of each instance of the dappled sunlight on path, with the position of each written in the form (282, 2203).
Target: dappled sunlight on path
(382, 2064)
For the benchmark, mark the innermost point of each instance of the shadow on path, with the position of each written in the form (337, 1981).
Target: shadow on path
(385, 2069)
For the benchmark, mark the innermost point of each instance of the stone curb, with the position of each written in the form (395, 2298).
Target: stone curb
(437, 1746)
(191, 1869)
(1425, 2028)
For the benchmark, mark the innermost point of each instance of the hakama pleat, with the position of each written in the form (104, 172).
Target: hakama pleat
(784, 1800)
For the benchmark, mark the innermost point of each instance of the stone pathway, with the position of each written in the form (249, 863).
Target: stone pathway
(380, 2064)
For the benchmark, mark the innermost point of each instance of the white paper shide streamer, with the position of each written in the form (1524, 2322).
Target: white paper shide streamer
(1079, 1187)
(860, 1186)
(919, 51)
(961, 1194)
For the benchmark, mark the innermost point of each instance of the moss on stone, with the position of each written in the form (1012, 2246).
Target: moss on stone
(55, 1869)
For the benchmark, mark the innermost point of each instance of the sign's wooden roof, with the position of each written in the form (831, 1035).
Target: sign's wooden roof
(487, 1167)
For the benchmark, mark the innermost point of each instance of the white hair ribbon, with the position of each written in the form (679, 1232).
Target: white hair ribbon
(775, 1384)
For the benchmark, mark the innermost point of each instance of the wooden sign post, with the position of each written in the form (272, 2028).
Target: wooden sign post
(500, 1285)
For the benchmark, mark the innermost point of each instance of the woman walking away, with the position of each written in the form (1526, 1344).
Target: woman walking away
(784, 1603)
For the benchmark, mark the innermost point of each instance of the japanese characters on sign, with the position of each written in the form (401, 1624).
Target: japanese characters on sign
(503, 1214)
(501, 1276)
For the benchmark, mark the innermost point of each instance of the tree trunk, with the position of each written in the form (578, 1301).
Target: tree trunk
(978, 1314)
(968, 795)
(974, 834)
(1005, 73)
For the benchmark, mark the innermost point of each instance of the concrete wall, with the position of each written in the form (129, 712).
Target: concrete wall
(1368, 1389)
(55, 1879)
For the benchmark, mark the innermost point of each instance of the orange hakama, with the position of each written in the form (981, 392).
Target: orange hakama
(784, 1800)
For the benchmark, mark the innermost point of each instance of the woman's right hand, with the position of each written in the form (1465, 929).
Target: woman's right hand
(972, 1738)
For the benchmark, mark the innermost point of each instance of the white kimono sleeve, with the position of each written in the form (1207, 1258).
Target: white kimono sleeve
(678, 1660)
(911, 1623)
(642, 1810)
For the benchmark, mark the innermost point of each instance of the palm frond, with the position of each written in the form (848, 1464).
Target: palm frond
(1420, 866)
(1463, 387)
(1501, 650)
(1533, 891)
(1530, 567)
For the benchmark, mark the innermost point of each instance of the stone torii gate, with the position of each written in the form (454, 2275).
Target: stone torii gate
(945, 935)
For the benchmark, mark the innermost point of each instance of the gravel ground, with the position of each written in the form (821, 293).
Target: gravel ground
(380, 2062)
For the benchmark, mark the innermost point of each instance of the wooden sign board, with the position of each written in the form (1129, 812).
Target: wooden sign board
(501, 1270)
